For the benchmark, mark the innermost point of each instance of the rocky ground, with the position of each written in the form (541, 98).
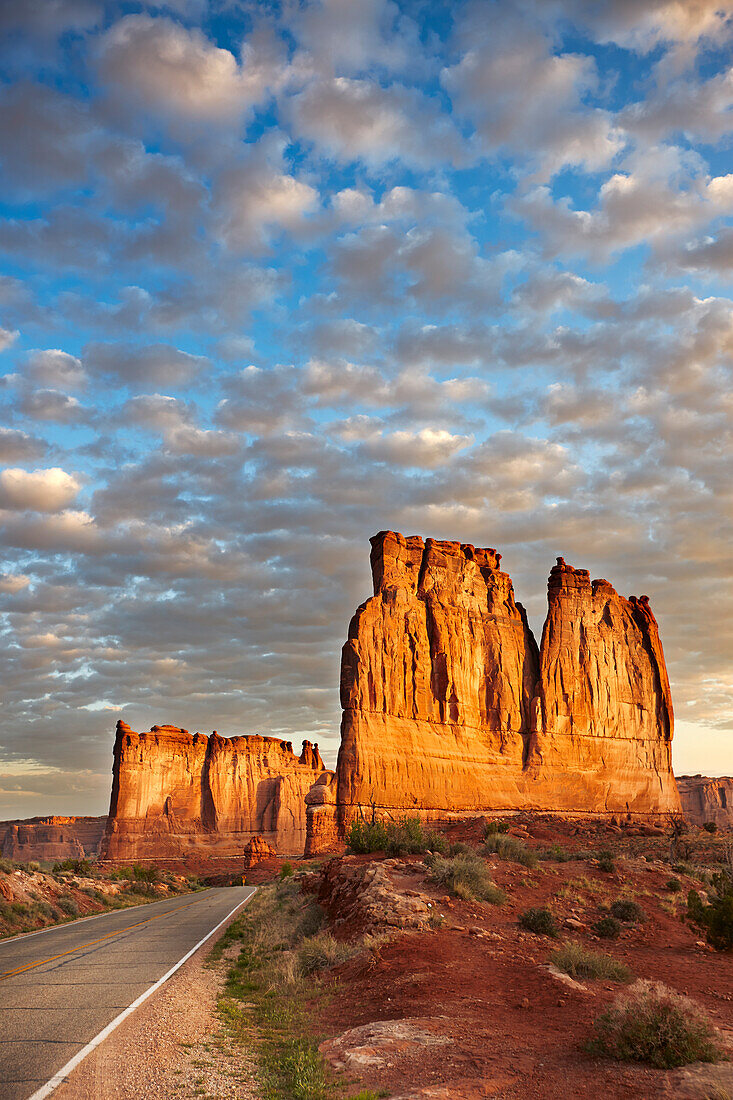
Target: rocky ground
(460, 1002)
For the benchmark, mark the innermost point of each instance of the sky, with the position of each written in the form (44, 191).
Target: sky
(277, 276)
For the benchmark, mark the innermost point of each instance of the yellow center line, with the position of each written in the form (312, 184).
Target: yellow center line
(81, 947)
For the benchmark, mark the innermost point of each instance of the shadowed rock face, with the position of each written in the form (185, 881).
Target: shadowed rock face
(54, 838)
(175, 794)
(706, 799)
(448, 707)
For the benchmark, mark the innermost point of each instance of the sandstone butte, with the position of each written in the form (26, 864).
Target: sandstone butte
(176, 794)
(706, 799)
(449, 707)
(51, 838)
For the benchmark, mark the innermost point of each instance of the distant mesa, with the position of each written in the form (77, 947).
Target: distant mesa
(51, 838)
(705, 799)
(176, 794)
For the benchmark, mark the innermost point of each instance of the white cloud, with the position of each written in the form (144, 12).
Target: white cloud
(55, 368)
(359, 120)
(37, 490)
(13, 582)
(152, 364)
(7, 338)
(179, 72)
(425, 449)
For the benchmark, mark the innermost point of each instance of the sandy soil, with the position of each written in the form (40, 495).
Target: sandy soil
(517, 1031)
(172, 1047)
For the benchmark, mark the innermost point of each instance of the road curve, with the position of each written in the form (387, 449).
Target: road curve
(59, 989)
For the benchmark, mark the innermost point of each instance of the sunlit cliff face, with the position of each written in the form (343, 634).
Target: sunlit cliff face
(274, 279)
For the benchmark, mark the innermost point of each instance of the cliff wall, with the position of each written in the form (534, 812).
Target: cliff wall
(56, 838)
(706, 799)
(449, 706)
(176, 794)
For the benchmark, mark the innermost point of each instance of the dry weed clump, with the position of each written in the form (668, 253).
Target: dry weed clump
(653, 1024)
(466, 876)
(580, 962)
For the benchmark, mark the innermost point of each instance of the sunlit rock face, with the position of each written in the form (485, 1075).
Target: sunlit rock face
(176, 794)
(55, 838)
(706, 799)
(449, 707)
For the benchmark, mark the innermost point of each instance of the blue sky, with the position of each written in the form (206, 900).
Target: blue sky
(275, 276)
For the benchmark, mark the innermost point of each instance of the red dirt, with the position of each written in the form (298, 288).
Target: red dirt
(515, 1027)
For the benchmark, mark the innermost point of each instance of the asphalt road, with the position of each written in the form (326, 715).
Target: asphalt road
(60, 988)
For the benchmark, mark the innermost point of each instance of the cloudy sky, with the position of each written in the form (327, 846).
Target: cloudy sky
(275, 276)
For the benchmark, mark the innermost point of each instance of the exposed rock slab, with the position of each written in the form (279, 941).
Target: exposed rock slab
(705, 799)
(176, 794)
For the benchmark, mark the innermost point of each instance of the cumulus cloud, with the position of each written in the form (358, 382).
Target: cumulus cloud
(168, 68)
(350, 120)
(7, 338)
(153, 364)
(19, 446)
(526, 99)
(37, 490)
(52, 367)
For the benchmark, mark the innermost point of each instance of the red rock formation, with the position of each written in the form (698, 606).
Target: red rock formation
(257, 851)
(51, 838)
(706, 799)
(175, 794)
(449, 707)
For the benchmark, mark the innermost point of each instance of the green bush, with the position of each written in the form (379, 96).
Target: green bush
(716, 915)
(654, 1025)
(605, 862)
(608, 928)
(75, 866)
(146, 874)
(466, 876)
(409, 836)
(710, 827)
(67, 905)
(558, 854)
(673, 885)
(510, 848)
(6, 866)
(627, 911)
(461, 849)
(539, 921)
(580, 962)
(286, 871)
(492, 827)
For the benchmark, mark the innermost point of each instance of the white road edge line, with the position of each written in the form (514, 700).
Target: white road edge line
(63, 1073)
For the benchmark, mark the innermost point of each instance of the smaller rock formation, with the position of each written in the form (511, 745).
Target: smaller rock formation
(176, 794)
(320, 816)
(51, 838)
(706, 799)
(257, 851)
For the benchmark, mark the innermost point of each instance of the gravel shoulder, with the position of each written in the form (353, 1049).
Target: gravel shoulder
(173, 1047)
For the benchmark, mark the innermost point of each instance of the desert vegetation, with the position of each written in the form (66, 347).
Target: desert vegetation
(408, 836)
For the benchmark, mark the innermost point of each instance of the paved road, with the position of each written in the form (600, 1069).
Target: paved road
(60, 988)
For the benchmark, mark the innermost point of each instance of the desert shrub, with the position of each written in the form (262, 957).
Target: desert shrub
(466, 876)
(409, 837)
(710, 827)
(627, 911)
(141, 890)
(6, 866)
(580, 962)
(655, 1025)
(367, 836)
(321, 951)
(460, 849)
(34, 866)
(19, 908)
(75, 866)
(540, 921)
(510, 848)
(605, 862)
(45, 910)
(558, 854)
(286, 871)
(608, 928)
(716, 915)
(493, 827)
(673, 885)
(145, 874)
(67, 905)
